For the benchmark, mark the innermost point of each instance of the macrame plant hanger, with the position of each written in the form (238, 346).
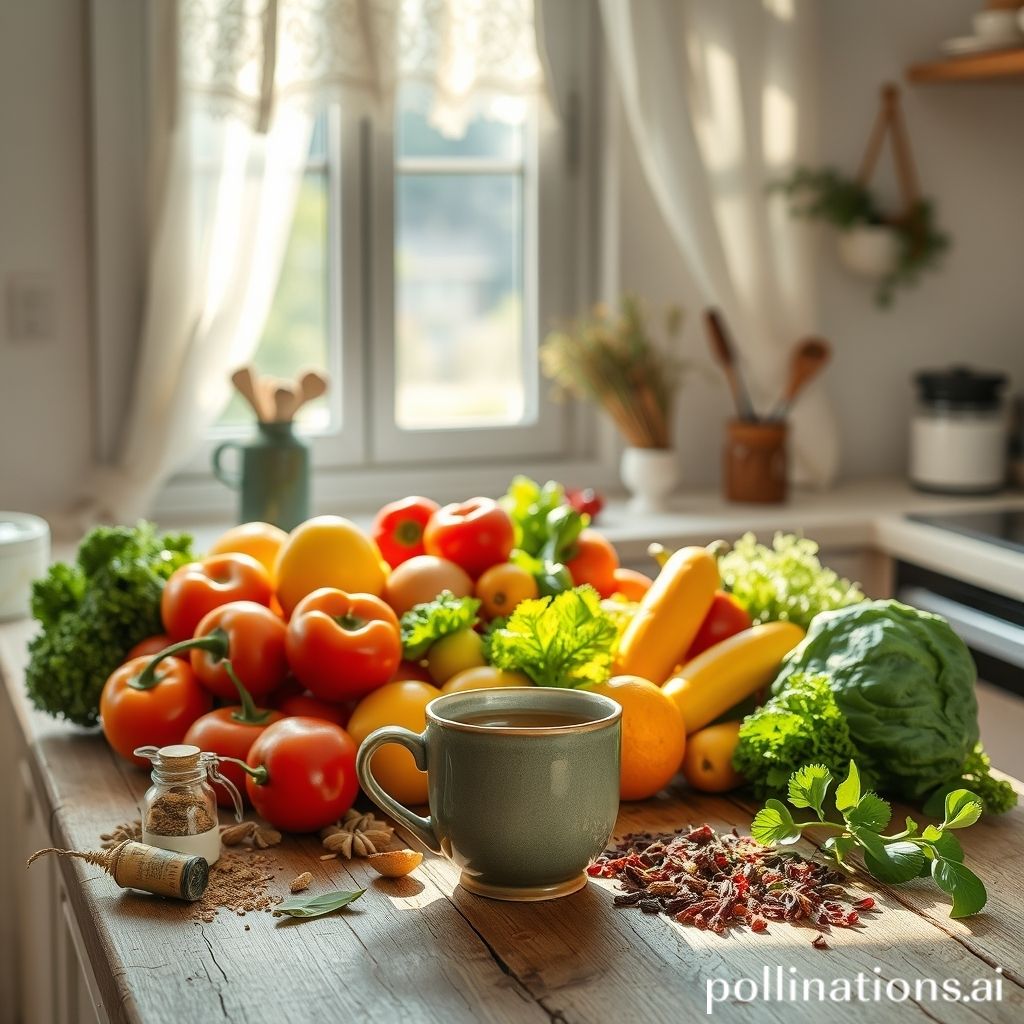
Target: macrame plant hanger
(890, 121)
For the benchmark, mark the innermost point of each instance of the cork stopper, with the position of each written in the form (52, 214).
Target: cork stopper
(179, 757)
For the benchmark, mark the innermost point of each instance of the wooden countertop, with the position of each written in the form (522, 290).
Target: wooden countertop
(422, 949)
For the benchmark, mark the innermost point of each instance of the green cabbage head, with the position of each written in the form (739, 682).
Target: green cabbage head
(905, 683)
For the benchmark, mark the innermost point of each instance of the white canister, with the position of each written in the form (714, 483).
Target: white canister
(958, 437)
(24, 557)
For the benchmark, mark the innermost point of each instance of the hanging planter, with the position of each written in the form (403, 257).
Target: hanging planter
(889, 248)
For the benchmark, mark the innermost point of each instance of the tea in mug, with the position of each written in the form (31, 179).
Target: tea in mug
(521, 719)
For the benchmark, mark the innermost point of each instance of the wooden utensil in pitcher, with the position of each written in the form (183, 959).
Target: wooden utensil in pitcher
(807, 360)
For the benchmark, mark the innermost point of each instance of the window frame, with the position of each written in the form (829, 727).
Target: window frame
(363, 459)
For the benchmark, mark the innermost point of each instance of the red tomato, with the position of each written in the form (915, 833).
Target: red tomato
(398, 528)
(230, 732)
(594, 561)
(305, 774)
(305, 705)
(586, 500)
(136, 713)
(724, 619)
(475, 534)
(153, 645)
(342, 646)
(196, 589)
(632, 585)
(252, 637)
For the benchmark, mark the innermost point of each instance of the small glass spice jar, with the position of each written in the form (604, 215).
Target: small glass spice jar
(179, 812)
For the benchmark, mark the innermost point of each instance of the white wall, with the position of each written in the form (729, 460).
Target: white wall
(968, 139)
(969, 144)
(45, 413)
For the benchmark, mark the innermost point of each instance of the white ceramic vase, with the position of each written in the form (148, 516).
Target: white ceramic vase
(650, 475)
(869, 250)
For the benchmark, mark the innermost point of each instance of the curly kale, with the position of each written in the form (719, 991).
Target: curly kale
(802, 725)
(94, 611)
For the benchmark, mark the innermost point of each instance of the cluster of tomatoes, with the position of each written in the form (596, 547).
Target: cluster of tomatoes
(284, 651)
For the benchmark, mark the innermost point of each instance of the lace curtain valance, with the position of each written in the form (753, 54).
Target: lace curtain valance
(249, 55)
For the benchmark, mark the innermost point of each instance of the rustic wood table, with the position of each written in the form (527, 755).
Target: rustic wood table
(422, 949)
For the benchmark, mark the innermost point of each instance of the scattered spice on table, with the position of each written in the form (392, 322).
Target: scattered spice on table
(238, 883)
(301, 882)
(119, 833)
(357, 835)
(258, 834)
(179, 814)
(714, 882)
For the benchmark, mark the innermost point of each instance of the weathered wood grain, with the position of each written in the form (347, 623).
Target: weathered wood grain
(422, 949)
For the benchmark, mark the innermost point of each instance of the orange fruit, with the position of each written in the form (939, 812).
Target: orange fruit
(483, 678)
(594, 561)
(502, 587)
(632, 585)
(261, 541)
(653, 735)
(421, 578)
(393, 766)
(328, 551)
(708, 761)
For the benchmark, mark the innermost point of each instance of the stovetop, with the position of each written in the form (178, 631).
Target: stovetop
(1005, 528)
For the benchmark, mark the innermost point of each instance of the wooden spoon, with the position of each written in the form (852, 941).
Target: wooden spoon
(808, 360)
(725, 356)
(311, 385)
(286, 401)
(245, 383)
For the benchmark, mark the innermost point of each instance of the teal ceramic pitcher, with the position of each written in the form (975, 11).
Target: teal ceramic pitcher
(272, 476)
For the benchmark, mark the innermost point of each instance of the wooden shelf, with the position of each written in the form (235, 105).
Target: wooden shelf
(973, 67)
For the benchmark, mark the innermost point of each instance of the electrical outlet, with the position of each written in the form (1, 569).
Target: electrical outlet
(31, 314)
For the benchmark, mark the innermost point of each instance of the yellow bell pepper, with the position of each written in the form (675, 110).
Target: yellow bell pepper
(731, 671)
(659, 635)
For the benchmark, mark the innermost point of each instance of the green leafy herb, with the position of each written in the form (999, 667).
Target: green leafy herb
(94, 611)
(528, 505)
(801, 725)
(891, 859)
(565, 640)
(424, 624)
(825, 194)
(317, 906)
(997, 795)
(785, 581)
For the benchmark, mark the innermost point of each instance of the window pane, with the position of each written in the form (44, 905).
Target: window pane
(483, 138)
(459, 300)
(296, 334)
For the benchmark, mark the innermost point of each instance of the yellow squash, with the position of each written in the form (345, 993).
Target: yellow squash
(731, 671)
(659, 635)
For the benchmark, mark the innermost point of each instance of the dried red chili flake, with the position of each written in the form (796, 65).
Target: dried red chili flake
(713, 881)
(818, 942)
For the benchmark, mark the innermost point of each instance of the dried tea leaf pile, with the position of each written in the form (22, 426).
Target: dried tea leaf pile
(715, 882)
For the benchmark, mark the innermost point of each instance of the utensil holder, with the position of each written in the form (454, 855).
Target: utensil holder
(272, 477)
(754, 462)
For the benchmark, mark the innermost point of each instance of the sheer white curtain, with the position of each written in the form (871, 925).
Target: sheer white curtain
(241, 82)
(719, 96)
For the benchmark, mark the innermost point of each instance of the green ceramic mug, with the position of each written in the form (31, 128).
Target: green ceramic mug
(523, 786)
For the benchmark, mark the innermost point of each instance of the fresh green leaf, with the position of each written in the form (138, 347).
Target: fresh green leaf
(931, 833)
(848, 791)
(317, 906)
(911, 827)
(840, 847)
(808, 786)
(785, 581)
(425, 624)
(528, 505)
(774, 824)
(802, 725)
(966, 888)
(947, 846)
(871, 812)
(997, 795)
(565, 640)
(962, 809)
(891, 862)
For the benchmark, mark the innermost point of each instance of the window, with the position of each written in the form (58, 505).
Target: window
(421, 274)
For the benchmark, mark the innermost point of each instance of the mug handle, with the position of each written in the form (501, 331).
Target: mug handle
(421, 828)
(232, 480)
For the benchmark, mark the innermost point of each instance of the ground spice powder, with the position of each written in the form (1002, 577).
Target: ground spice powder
(179, 814)
(238, 883)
